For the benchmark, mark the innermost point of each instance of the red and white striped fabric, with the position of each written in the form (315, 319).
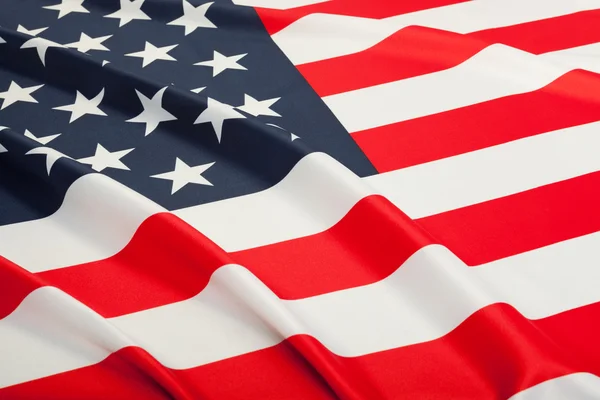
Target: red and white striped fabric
(468, 268)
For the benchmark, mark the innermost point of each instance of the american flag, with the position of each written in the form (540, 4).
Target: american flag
(299, 199)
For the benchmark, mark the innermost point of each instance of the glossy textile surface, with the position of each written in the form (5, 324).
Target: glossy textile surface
(299, 199)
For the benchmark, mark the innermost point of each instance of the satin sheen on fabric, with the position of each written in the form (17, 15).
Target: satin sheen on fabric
(406, 207)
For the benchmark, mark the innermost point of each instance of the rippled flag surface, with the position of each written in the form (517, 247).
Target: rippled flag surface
(299, 199)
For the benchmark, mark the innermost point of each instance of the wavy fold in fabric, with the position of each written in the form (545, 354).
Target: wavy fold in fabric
(299, 199)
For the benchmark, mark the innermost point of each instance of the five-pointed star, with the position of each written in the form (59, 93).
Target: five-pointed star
(152, 53)
(216, 113)
(256, 108)
(30, 32)
(103, 159)
(193, 17)
(87, 43)
(41, 45)
(198, 90)
(2, 40)
(44, 140)
(292, 136)
(68, 6)
(52, 156)
(220, 63)
(2, 148)
(83, 106)
(130, 10)
(17, 93)
(184, 174)
(153, 113)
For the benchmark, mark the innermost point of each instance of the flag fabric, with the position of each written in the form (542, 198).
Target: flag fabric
(299, 199)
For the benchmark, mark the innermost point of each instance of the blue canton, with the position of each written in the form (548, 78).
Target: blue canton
(184, 101)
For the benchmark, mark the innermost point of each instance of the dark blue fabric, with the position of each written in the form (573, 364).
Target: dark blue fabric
(251, 156)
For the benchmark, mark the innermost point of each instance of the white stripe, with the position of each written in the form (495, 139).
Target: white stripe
(431, 294)
(277, 4)
(56, 333)
(493, 172)
(585, 57)
(321, 36)
(315, 195)
(319, 191)
(579, 386)
(494, 72)
(97, 218)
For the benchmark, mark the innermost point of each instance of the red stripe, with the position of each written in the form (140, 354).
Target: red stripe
(276, 20)
(494, 354)
(573, 99)
(547, 35)
(367, 245)
(15, 285)
(168, 261)
(409, 52)
(525, 221)
(416, 50)
(127, 374)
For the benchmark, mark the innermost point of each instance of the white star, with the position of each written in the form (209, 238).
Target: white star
(184, 174)
(41, 45)
(103, 159)
(2, 148)
(52, 156)
(16, 93)
(87, 43)
(220, 63)
(256, 108)
(152, 53)
(83, 106)
(41, 140)
(129, 11)
(198, 90)
(193, 17)
(68, 6)
(292, 136)
(2, 40)
(216, 113)
(153, 113)
(32, 32)
(105, 62)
